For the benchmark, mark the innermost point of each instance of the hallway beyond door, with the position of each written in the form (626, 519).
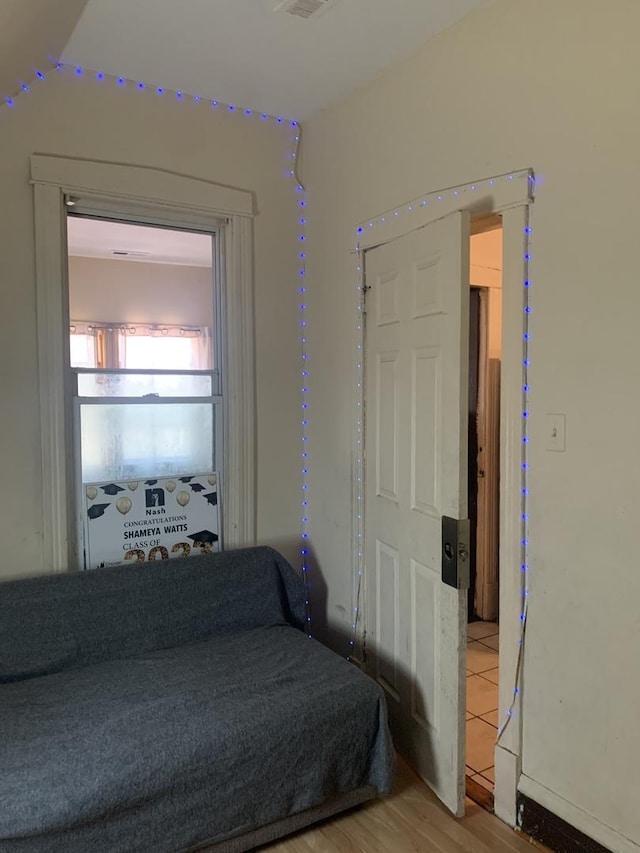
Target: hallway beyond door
(482, 702)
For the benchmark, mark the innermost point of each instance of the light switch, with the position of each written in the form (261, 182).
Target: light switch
(555, 430)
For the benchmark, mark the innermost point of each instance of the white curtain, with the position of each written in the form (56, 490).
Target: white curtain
(140, 346)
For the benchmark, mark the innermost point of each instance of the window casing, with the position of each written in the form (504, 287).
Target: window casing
(149, 195)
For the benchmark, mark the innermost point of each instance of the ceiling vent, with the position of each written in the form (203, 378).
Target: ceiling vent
(304, 8)
(135, 256)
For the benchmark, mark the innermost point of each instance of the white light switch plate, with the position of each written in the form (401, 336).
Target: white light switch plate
(555, 433)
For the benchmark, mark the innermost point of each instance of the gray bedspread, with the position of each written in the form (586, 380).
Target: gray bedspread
(219, 732)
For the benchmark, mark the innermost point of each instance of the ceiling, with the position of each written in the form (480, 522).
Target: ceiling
(243, 52)
(33, 34)
(98, 238)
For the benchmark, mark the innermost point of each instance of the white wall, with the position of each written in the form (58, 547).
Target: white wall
(120, 291)
(486, 271)
(78, 117)
(552, 85)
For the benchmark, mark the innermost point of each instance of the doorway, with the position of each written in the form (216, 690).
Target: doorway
(485, 362)
(416, 385)
(414, 270)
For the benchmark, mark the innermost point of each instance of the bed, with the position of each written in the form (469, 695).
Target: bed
(177, 705)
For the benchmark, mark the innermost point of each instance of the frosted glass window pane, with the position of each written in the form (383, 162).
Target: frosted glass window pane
(139, 384)
(135, 441)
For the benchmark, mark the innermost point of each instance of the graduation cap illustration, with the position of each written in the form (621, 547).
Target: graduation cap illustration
(97, 510)
(186, 479)
(204, 536)
(111, 489)
(212, 498)
(150, 482)
(197, 487)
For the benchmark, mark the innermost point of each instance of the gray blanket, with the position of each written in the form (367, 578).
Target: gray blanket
(181, 727)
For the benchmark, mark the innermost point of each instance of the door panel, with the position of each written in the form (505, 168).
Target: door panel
(425, 644)
(387, 585)
(416, 472)
(387, 426)
(425, 435)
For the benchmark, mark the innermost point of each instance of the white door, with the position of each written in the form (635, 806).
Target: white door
(416, 474)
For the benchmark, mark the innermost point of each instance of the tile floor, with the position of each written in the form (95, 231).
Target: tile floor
(482, 701)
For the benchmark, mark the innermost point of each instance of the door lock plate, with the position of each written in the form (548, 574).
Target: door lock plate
(456, 557)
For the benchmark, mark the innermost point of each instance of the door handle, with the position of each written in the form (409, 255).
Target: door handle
(455, 552)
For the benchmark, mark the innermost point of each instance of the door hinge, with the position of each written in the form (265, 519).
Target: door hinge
(365, 289)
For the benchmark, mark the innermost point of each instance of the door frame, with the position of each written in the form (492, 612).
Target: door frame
(486, 533)
(183, 201)
(509, 196)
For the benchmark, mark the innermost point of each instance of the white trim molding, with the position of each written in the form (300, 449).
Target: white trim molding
(239, 487)
(509, 750)
(142, 183)
(481, 198)
(155, 195)
(54, 393)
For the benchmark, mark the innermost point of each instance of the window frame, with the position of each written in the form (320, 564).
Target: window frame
(152, 196)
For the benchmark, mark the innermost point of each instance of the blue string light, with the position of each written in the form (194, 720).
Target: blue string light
(140, 85)
(524, 473)
(303, 324)
(359, 460)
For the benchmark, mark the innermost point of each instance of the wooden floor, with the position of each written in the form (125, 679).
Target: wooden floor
(411, 820)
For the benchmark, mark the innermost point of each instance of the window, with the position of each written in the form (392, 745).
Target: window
(165, 348)
(175, 201)
(83, 347)
(147, 391)
(141, 347)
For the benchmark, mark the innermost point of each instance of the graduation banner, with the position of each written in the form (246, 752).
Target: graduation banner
(156, 519)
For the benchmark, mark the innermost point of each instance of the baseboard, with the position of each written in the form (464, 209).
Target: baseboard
(554, 821)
